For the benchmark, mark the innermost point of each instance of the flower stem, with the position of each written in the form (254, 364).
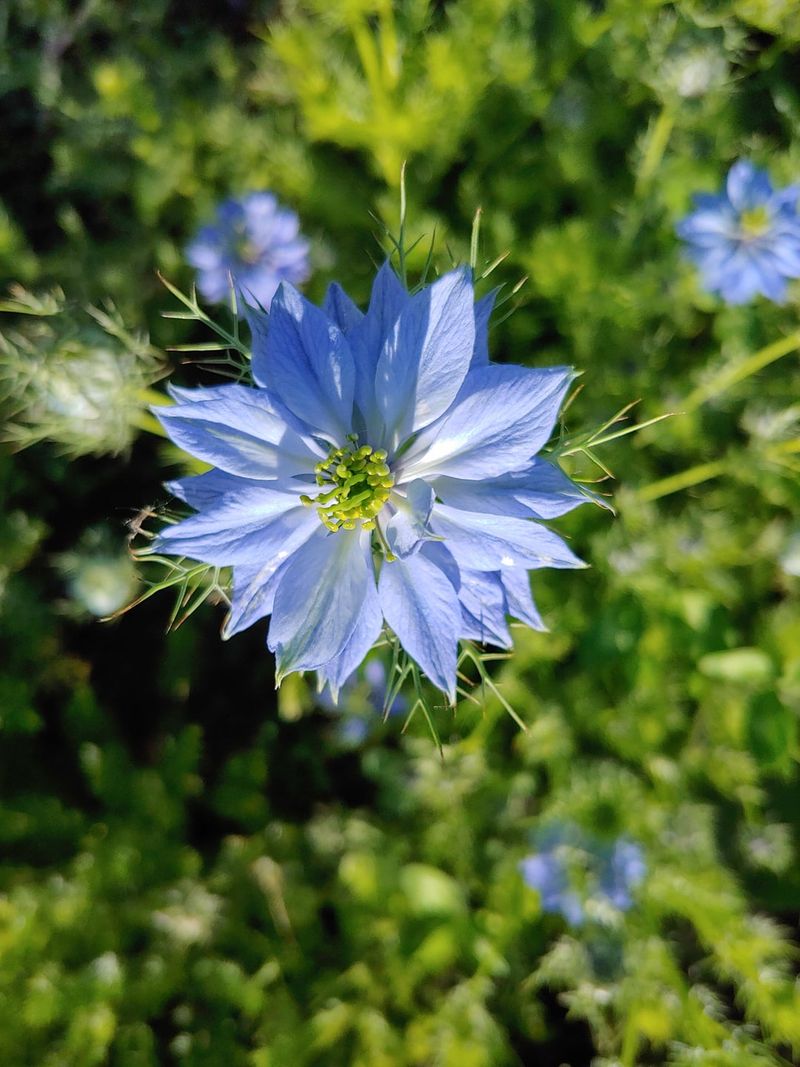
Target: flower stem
(683, 480)
(733, 375)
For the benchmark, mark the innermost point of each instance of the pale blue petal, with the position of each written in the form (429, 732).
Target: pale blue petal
(306, 363)
(541, 492)
(426, 356)
(747, 186)
(707, 228)
(366, 339)
(501, 419)
(483, 312)
(254, 588)
(340, 309)
(488, 542)
(785, 200)
(204, 490)
(517, 584)
(238, 430)
(366, 633)
(421, 606)
(319, 599)
(245, 526)
(258, 321)
(483, 603)
(786, 258)
(409, 525)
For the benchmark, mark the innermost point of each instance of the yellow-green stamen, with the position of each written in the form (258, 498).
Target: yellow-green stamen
(355, 482)
(755, 222)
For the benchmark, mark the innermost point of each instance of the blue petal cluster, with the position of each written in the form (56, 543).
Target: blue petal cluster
(745, 240)
(253, 241)
(570, 869)
(382, 472)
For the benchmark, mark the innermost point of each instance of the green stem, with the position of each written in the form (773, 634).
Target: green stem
(683, 480)
(733, 375)
(656, 146)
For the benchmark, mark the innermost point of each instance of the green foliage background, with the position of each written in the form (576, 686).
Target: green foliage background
(196, 873)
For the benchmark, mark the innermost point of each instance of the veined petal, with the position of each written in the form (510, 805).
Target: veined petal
(519, 599)
(306, 362)
(483, 603)
(483, 312)
(541, 492)
(409, 525)
(388, 298)
(340, 309)
(421, 606)
(258, 321)
(237, 430)
(366, 633)
(246, 526)
(254, 588)
(488, 542)
(319, 600)
(500, 420)
(426, 356)
(204, 490)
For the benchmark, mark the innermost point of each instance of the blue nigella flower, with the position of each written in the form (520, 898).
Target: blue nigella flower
(253, 241)
(745, 240)
(571, 870)
(380, 472)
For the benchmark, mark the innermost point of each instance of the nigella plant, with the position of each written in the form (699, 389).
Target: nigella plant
(380, 476)
(253, 245)
(746, 239)
(578, 876)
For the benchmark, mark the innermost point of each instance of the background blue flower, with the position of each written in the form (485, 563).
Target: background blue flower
(745, 240)
(382, 436)
(571, 868)
(254, 241)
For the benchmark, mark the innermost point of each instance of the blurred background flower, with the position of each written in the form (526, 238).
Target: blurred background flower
(253, 245)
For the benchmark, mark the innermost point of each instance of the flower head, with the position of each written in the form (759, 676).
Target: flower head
(745, 240)
(381, 472)
(573, 872)
(253, 241)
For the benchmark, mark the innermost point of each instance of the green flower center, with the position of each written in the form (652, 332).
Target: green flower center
(356, 483)
(754, 223)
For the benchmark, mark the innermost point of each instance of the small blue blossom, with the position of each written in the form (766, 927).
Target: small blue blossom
(253, 241)
(746, 240)
(571, 870)
(380, 473)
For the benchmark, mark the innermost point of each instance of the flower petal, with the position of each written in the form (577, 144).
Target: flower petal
(500, 420)
(488, 542)
(254, 588)
(543, 491)
(747, 186)
(421, 606)
(426, 356)
(340, 309)
(204, 490)
(483, 312)
(388, 298)
(238, 430)
(319, 600)
(409, 525)
(307, 364)
(246, 526)
(516, 582)
(366, 633)
(484, 609)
